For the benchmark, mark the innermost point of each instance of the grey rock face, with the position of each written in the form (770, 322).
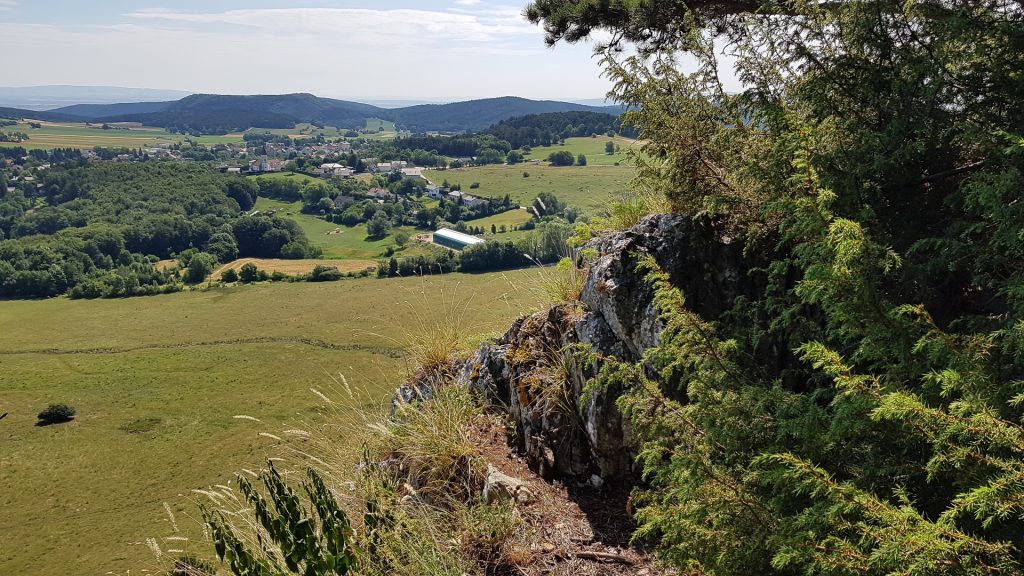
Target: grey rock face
(537, 373)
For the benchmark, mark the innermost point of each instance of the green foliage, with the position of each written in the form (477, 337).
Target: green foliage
(95, 231)
(248, 273)
(322, 273)
(229, 275)
(313, 541)
(858, 410)
(561, 158)
(200, 266)
(379, 226)
(55, 413)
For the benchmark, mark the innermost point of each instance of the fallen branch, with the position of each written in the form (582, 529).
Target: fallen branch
(603, 557)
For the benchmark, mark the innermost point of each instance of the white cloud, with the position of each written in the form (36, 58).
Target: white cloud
(346, 53)
(467, 2)
(365, 27)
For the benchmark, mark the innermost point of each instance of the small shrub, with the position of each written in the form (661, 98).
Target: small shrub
(55, 413)
(229, 275)
(248, 273)
(474, 185)
(322, 273)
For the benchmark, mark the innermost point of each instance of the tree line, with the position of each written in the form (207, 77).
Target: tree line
(97, 230)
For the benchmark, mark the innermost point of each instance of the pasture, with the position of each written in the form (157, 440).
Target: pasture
(592, 148)
(293, 267)
(510, 219)
(80, 135)
(590, 188)
(158, 383)
(342, 242)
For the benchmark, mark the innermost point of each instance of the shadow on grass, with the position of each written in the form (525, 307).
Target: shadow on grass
(43, 423)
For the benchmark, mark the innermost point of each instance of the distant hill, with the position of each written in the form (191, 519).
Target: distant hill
(475, 115)
(100, 111)
(20, 113)
(214, 113)
(545, 129)
(50, 97)
(219, 114)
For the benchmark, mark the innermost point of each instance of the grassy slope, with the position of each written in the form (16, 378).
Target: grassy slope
(88, 493)
(78, 135)
(592, 148)
(510, 219)
(588, 187)
(337, 241)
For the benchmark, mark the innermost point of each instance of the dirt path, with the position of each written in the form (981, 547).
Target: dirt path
(311, 342)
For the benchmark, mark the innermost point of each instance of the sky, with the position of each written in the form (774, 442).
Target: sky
(441, 50)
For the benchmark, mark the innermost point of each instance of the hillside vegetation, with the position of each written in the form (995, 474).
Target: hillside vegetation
(858, 409)
(852, 405)
(222, 114)
(95, 230)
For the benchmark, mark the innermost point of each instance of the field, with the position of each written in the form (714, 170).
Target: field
(510, 219)
(592, 148)
(375, 125)
(587, 187)
(79, 135)
(293, 267)
(157, 382)
(341, 242)
(297, 177)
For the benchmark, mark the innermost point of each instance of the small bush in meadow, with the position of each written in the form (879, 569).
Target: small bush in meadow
(55, 413)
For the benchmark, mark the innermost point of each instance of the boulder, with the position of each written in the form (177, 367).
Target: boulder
(500, 487)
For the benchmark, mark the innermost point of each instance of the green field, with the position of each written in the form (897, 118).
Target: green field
(510, 219)
(592, 148)
(342, 242)
(588, 187)
(157, 382)
(79, 135)
(375, 124)
(297, 177)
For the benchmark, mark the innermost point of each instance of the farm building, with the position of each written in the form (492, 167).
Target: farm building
(456, 240)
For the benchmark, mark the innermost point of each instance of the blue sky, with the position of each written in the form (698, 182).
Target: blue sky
(431, 49)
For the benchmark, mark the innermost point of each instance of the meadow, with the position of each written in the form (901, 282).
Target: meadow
(80, 135)
(158, 383)
(590, 187)
(342, 242)
(292, 267)
(592, 148)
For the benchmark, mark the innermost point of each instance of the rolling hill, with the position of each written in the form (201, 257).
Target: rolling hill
(476, 115)
(213, 113)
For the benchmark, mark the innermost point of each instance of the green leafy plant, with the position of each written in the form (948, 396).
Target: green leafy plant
(315, 541)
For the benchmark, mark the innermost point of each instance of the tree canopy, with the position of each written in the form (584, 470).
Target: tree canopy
(859, 411)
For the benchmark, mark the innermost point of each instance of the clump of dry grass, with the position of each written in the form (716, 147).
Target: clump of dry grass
(564, 282)
(429, 445)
